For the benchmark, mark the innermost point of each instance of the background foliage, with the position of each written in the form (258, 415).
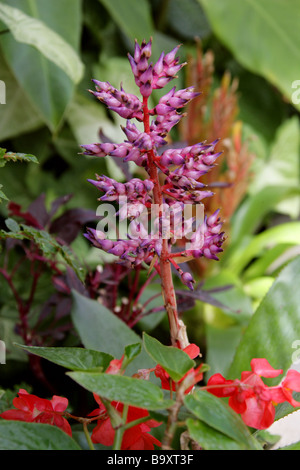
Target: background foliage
(247, 304)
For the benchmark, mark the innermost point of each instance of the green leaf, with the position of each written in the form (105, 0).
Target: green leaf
(14, 157)
(46, 85)
(274, 326)
(214, 412)
(130, 353)
(22, 113)
(295, 446)
(2, 195)
(76, 359)
(36, 33)
(287, 233)
(47, 244)
(133, 18)
(275, 54)
(251, 213)
(209, 438)
(175, 361)
(268, 262)
(187, 19)
(12, 225)
(101, 330)
(282, 172)
(17, 435)
(127, 390)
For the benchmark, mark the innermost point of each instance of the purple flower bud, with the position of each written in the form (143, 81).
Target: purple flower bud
(146, 89)
(188, 280)
(118, 249)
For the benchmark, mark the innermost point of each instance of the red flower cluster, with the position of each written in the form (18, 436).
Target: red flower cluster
(33, 409)
(167, 383)
(135, 438)
(251, 398)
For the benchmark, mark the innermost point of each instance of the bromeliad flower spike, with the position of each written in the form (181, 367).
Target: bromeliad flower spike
(172, 183)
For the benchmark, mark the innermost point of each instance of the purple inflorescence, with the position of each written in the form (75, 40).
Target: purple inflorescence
(180, 168)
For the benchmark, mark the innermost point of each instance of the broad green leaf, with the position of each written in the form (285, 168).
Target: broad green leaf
(72, 358)
(274, 327)
(127, 390)
(48, 87)
(275, 54)
(133, 18)
(18, 108)
(250, 215)
(17, 435)
(282, 172)
(101, 330)
(223, 327)
(209, 438)
(175, 361)
(287, 233)
(32, 31)
(257, 288)
(187, 19)
(214, 412)
(268, 262)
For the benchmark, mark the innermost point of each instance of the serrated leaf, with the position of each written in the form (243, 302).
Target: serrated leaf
(6, 157)
(131, 352)
(18, 435)
(101, 330)
(130, 391)
(209, 438)
(47, 244)
(76, 359)
(175, 361)
(214, 412)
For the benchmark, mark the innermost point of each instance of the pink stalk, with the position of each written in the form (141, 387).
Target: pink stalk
(177, 328)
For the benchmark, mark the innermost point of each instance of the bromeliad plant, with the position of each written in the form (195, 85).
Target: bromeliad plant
(134, 412)
(172, 180)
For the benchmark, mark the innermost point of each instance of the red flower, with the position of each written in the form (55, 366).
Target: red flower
(167, 383)
(135, 438)
(251, 398)
(31, 408)
(284, 391)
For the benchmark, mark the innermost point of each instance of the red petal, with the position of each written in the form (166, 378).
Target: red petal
(292, 380)
(59, 403)
(225, 391)
(103, 433)
(263, 368)
(192, 350)
(258, 415)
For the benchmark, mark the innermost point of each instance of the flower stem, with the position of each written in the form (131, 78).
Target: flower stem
(120, 430)
(87, 435)
(177, 328)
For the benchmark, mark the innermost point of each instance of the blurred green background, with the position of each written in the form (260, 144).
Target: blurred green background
(246, 54)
